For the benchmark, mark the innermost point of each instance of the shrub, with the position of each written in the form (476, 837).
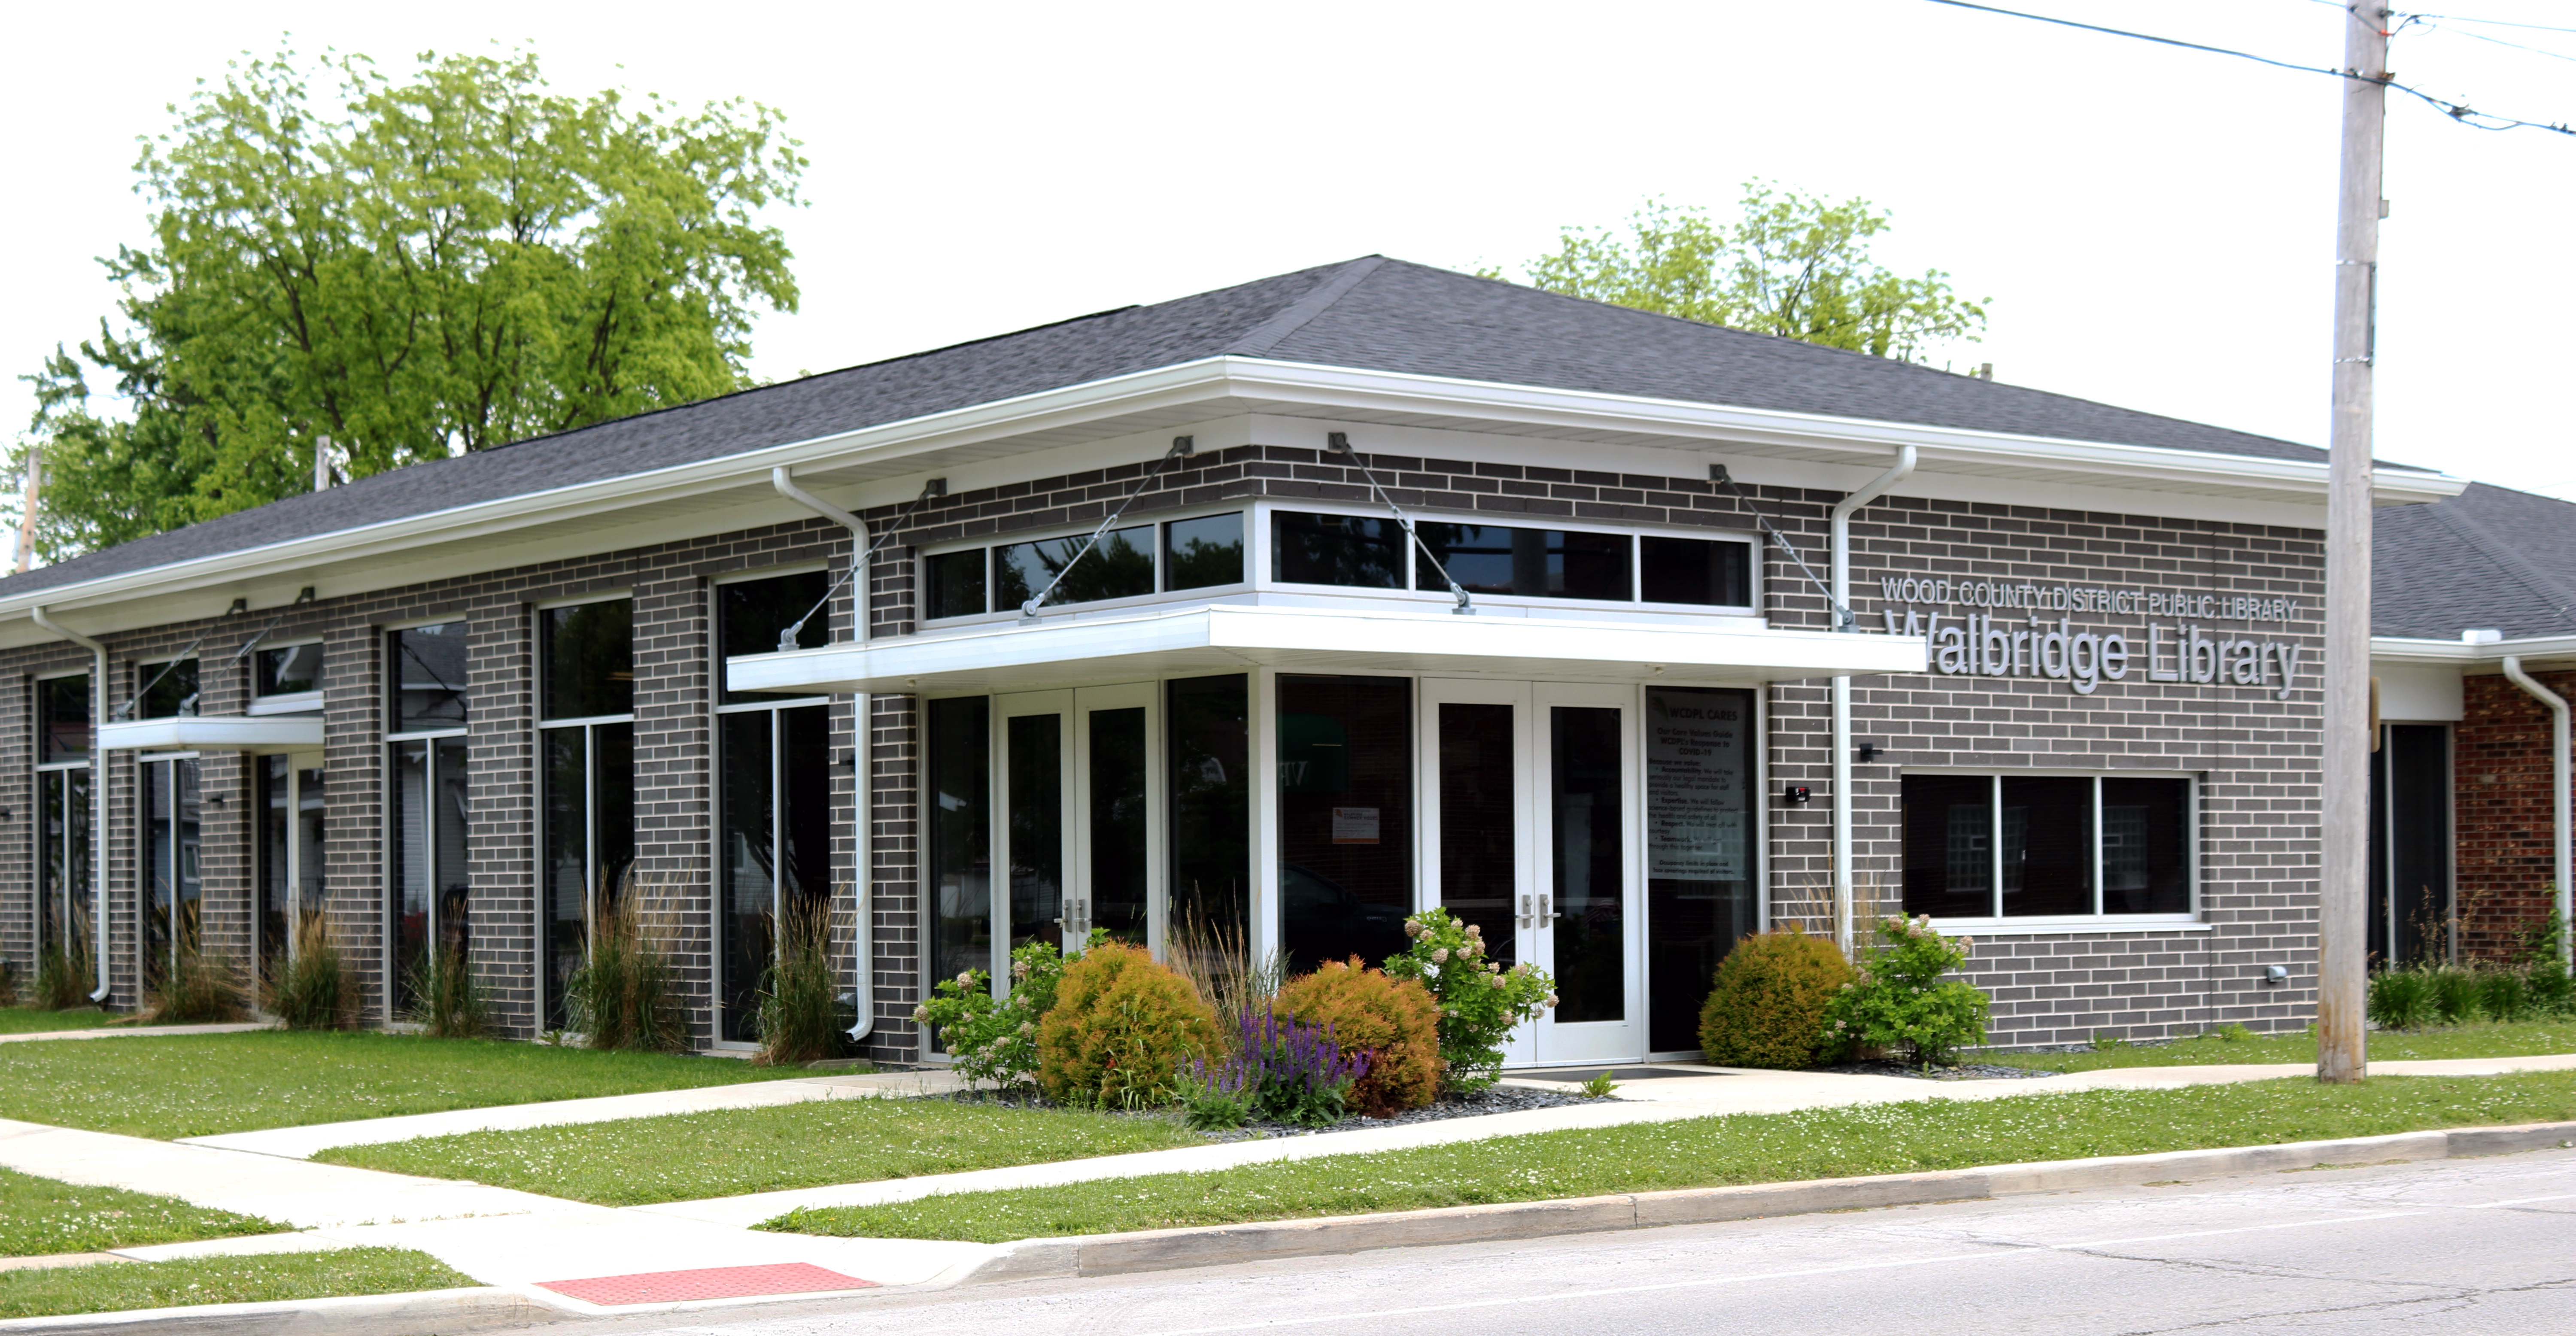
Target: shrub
(1767, 1005)
(2550, 988)
(997, 1040)
(626, 996)
(8, 983)
(2504, 995)
(802, 1018)
(2400, 999)
(447, 999)
(1120, 1030)
(62, 978)
(2455, 995)
(1900, 1000)
(315, 990)
(1283, 1069)
(199, 990)
(1392, 1022)
(1479, 1000)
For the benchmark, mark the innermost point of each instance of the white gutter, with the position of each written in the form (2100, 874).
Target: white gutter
(863, 931)
(1841, 614)
(97, 790)
(2558, 790)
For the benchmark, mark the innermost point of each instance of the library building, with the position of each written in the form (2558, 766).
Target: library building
(1276, 614)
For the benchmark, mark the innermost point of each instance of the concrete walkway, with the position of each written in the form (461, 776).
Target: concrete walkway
(137, 1031)
(300, 1143)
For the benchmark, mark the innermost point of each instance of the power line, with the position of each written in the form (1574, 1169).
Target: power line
(2493, 23)
(2458, 111)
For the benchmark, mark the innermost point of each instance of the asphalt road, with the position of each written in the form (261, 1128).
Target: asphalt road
(2449, 1246)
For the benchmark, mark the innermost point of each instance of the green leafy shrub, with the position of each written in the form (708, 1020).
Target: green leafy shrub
(2400, 999)
(447, 1000)
(1281, 1068)
(627, 994)
(63, 977)
(1479, 1000)
(2455, 995)
(1120, 1030)
(1393, 1022)
(200, 989)
(997, 1040)
(2552, 992)
(802, 1017)
(1900, 1001)
(315, 990)
(8, 983)
(1766, 1007)
(2504, 995)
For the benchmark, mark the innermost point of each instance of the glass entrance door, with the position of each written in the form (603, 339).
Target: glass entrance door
(1077, 818)
(1531, 833)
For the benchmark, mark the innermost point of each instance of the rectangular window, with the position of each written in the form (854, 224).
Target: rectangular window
(751, 614)
(1352, 551)
(426, 668)
(173, 875)
(1692, 570)
(1203, 552)
(1530, 563)
(1211, 804)
(290, 671)
(774, 758)
(276, 861)
(1121, 566)
(1345, 816)
(169, 689)
(2046, 846)
(954, 584)
(62, 720)
(427, 912)
(958, 807)
(1701, 894)
(586, 674)
(62, 865)
(589, 654)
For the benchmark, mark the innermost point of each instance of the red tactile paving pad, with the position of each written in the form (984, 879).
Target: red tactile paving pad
(714, 1282)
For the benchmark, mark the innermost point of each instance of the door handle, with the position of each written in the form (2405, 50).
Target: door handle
(1543, 915)
(1525, 911)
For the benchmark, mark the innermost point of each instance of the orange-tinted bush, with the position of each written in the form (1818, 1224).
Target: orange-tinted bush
(1768, 1006)
(1393, 1020)
(1119, 1031)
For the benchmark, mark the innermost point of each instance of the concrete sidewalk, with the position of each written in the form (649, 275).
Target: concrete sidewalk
(137, 1031)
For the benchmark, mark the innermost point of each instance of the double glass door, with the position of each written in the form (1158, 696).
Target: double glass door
(1530, 827)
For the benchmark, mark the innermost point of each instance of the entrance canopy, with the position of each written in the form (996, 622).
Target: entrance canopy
(258, 736)
(1065, 651)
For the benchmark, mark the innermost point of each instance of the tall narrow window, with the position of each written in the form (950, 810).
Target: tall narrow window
(63, 924)
(290, 856)
(586, 768)
(1211, 804)
(172, 877)
(1345, 816)
(957, 807)
(774, 841)
(427, 795)
(1701, 896)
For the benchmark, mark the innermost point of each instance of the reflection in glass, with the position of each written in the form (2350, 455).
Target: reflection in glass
(1345, 817)
(1035, 744)
(1120, 566)
(309, 829)
(1532, 563)
(1949, 846)
(276, 849)
(956, 584)
(173, 875)
(1205, 551)
(1116, 900)
(62, 861)
(1700, 893)
(1211, 810)
(1353, 551)
(2048, 845)
(1479, 868)
(62, 719)
(2146, 854)
(1690, 570)
(562, 916)
(956, 802)
(288, 671)
(427, 665)
(170, 689)
(589, 659)
(750, 615)
(746, 874)
(1589, 864)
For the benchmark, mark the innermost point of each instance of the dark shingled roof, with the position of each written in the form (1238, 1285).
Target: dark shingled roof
(2489, 558)
(1369, 314)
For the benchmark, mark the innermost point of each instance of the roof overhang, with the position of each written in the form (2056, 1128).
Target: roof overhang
(883, 463)
(2475, 656)
(271, 735)
(1071, 651)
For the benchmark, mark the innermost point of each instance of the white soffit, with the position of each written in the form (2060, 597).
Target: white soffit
(266, 735)
(1064, 651)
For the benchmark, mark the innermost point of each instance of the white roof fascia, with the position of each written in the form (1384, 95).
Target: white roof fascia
(2462, 654)
(1224, 378)
(1231, 636)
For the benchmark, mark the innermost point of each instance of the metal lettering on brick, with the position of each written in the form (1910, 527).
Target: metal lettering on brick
(2009, 633)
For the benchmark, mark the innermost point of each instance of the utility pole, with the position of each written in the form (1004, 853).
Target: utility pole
(27, 514)
(2343, 880)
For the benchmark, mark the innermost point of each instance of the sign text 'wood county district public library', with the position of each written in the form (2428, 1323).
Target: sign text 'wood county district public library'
(2009, 633)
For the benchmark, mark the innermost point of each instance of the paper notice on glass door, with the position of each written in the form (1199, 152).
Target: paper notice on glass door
(1695, 786)
(1354, 825)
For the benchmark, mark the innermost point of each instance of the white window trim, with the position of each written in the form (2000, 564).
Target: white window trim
(2191, 920)
(1409, 592)
(290, 702)
(548, 604)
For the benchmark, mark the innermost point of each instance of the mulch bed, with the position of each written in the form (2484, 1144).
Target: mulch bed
(1499, 1099)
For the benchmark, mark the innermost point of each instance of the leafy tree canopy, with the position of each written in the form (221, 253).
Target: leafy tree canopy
(1792, 265)
(409, 270)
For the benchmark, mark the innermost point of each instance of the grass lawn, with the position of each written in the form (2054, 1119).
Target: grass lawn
(2483, 1040)
(114, 1286)
(1706, 1152)
(44, 1215)
(195, 1085)
(725, 1154)
(29, 1020)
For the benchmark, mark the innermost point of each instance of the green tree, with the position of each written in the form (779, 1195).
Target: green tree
(408, 270)
(1792, 265)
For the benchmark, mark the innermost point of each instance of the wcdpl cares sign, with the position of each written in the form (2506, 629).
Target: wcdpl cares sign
(2011, 636)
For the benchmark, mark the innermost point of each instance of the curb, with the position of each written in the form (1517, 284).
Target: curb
(443, 1311)
(1222, 1245)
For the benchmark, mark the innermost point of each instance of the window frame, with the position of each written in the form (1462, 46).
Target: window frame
(281, 702)
(1411, 590)
(2033, 924)
(1159, 522)
(546, 1000)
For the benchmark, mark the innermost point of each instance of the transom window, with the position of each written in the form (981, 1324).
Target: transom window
(2045, 846)
(290, 670)
(1200, 552)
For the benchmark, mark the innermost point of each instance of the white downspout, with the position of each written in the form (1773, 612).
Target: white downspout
(97, 791)
(2558, 790)
(863, 932)
(1841, 613)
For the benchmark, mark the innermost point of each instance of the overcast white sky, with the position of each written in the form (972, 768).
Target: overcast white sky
(2153, 226)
